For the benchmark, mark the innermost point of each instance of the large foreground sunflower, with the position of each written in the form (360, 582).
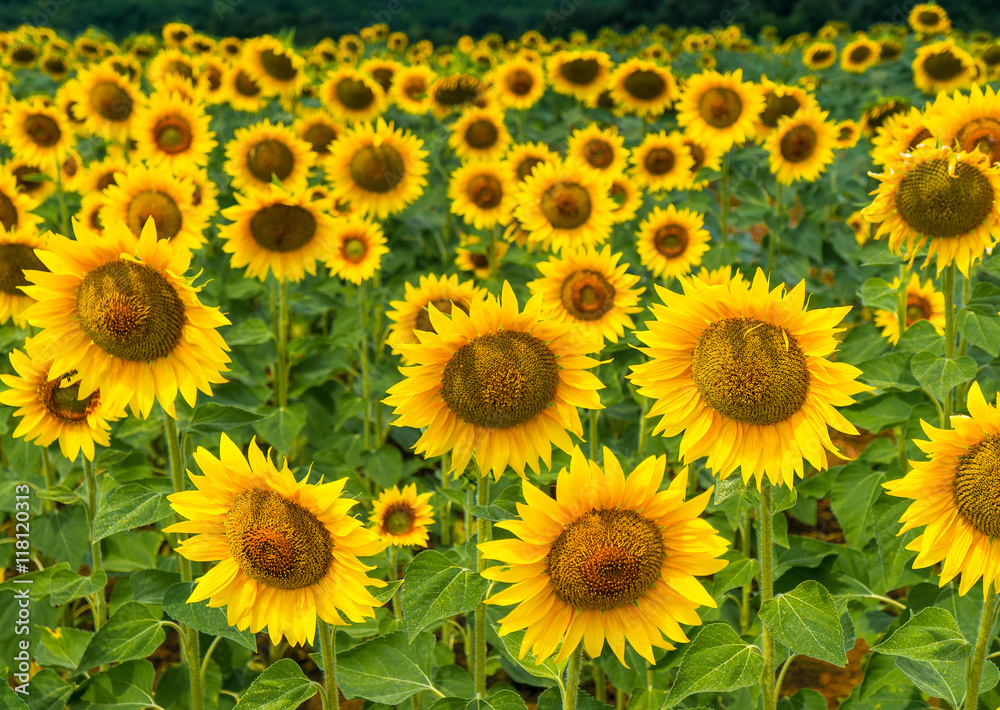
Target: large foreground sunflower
(498, 383)
(954, 496)
(611, 558)
(742, 371)
(287, 550)
(117, 309)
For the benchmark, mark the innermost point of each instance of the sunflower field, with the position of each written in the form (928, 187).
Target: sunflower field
(642, 370)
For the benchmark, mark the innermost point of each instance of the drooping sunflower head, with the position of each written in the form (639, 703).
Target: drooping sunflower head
(720, 107)
(402, 517)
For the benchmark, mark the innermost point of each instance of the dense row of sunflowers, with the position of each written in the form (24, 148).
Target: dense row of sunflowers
(579, 181)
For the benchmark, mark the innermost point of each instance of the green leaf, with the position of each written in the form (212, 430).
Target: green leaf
(62, 647)
(282, 686)
(11, 700)
(945, 679)
(252, 331)
(983, 331)
(500, 700)
(48, 691)
(198, 615)
(384, 466)
(551, 699)
(128, 686)
(877, 293)
(387, 669)
(717, 660)
(881, 412)
(876, 254)
(212, 418)
(546, 669)
(890, 371)
(938, 375)
(436, 588)
(281, 428)
(738, 572)
(62, 535)
(854, 492)
(128, 507)
(40, 583)
(919, 337)
(930, 635)
(132, 632)
(806, 621)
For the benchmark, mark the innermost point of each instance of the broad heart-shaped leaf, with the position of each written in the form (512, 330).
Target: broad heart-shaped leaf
(282, 686)
(436, 588)
(280, 429)
(48, 691)
(981, 330)
(854, 491)
(11, 700)
(551, 699)
(133, 632)
(805, 620)
(945, 679)
(62, 647)
(717, 660)
(500, 700)
(200, 616)
(128, 686)
(890, 371)
(546, 669)
(931, 635)
(213, 418)
(387, 669)
(938, 375)
(131, 506)
(877, 293)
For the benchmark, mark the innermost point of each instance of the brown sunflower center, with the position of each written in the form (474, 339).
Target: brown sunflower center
(355, 94)
(485, 191)
(580, 71)
(423, 321)
(172, 135)
(928, 18)
(14, 259)
(697, 155)
(977, 486)
(110, 101)
(525, 167)
(520, 82)
(42, 130)
(606, 559)
(415, 87)
(943, 65)
(482, 134)
(720, 107)
(354, 249)
(500, 380)
(30, 179)
(277, 542)
(751, 371)
(398, 519)
(982, 134)
(377, 168)
(130, 311)
(24, 55)
(8, 213)
(671, 240)
(64, 403)
(457, 90)
(587, 295)
(941, 205)
(566, 205)
(798, 144)
(645, 84)
(777, 107)
(659, 161)
(917, 308)
(821, 55)
(598, 153)
(278, 66)
(246, 85)
(161, 207)
(270, 157)
(320, 136)
(283, 228)
(991, 57)
(860, 54)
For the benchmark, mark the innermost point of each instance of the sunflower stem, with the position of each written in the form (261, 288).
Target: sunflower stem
(949, 335)
(281, 373)
(974, 671)
(63, 212)
(904, 459)
(483, 534)
(963, 344)
(772, 237)
(177, 475)
(904, 279)
(573, 678)
(189, 647)
(100, 607)
(446, 505)
(748, 587)
(393, 576)
(600, 682)
(766, 590)
(641, 446)
(781, 676)
(328, 649)
(724, 200)
(366, 382)
(48, 505)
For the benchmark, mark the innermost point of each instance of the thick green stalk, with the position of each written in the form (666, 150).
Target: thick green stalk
(446, 504)
(366, 382)
(766, 591)
(904, 279)
(50, 480)
(724, 200)
(328, 649)
(974, 671)
(600, 682)
(281, 371)
(483, 534)
(63, 212)
(772, 237)
(748, 587)
(963, 344)
(573, 678)
(177, 475)
(393, 576)
(641, 446)
(100, 606)
(949, 333)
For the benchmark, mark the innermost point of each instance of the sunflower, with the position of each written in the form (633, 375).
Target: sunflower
(627, 198)
(450, 93)
(262, 152)
(743, 371)
(117, 309)
(642, 88)
(517, 83)
(105, 101)
(275, 67)
(498, 383)
(288, 549)
(942, 198)
(356, 250)
(401, 517)
(847, 134)
(351, 95)
(801, 146)
(611, 558)
(169, 130)
(719, 108)
(819, 55)
(319, 129)
(860, 226)
(482, 194)
(171, 61)
(561, 204)
(952, 496)
(721, 276)
(780, 100)
(142, 193)
(877, 114)
(50, 407)
(581, 74)
(15, 206)
(89, 214)
(929, 19)
(923, 302)
(943, 66)
(34, 181)
(37, 132)
(662, 162)
(591, 290)
(17, 254)
(378, 168)
(479, 134)
(967, 123)
(242, 91)
(411, 89)
(859, 55)
(990, 57)
(671, 242)
(411, 314)
(212, 72)
(523, 158)
(601, 149)
(176, 33)
(902, 133)
(281, 232)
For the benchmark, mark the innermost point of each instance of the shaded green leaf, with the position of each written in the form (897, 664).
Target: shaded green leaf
(198, 615)
(132, 632)
(930, 635)
(981, 330)
(805, 620)
(61, 647)
(854, 491)
(128, 686)
(436, 588)
(939, 375)
(877, 293)
(890, 371)
(130, 506)
(386, 669)
(213, 418)
(717, 660)
(281, 428)
(945, 679)
(546, 669)
(282, 686)
(48, 691)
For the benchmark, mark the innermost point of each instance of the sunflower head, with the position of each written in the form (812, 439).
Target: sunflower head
(402, 517)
